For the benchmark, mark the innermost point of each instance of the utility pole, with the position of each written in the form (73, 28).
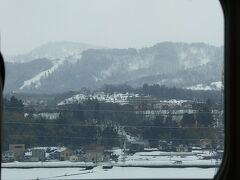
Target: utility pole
(124, 151)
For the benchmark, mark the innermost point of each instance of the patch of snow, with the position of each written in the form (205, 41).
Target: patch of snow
(114, 173)
(29, 153)
(193, 57)
(217, 84)
(108, 72)
(200, 87)
(182, 55)
(193, 50)
(36, 80)
(174, 101)
(212, 86)
(54, 148)
(129, 138)
(119, 98)
(49, 116)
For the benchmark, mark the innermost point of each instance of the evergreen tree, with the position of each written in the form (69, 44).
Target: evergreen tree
(188, 120)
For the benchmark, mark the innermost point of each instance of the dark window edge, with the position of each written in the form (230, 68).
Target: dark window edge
(231, 158)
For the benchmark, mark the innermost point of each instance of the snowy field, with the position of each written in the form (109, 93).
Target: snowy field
(99, 173)
(165, 167)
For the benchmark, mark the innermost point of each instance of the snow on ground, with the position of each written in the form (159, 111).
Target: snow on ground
(119, 98)
(48, 116)
(143, 162)
(154, 158)
(200, 87)
(159, 158)
(217, 84)
(117, 152)
(129, 138)
(163, 153)
(128, 161)
(76, 98)
(52, 149)
(71, 170)
(36, 80)
(44, 164)
(174, 101)
(99, 173)
(212, 86)
(59, 149)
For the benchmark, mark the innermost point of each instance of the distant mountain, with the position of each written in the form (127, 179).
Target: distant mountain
(167, 63)
(53, 51)
(203, 74)
(16, 73)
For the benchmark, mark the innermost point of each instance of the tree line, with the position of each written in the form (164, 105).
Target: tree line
(164, 92)
(92, 121)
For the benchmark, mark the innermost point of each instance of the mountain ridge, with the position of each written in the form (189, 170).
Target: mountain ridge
(194, 63)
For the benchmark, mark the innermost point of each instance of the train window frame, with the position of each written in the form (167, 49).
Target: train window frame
(228, 168)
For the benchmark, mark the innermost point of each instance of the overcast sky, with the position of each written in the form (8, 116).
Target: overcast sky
(26, 24)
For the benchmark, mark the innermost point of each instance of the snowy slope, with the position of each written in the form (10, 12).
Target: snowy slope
(128, 137)
(36, 80)
(167, 63)
(193, 57)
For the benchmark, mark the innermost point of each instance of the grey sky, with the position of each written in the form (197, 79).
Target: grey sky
(25, 24)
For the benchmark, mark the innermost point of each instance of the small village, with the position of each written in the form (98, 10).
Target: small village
(132, 150)
(135, 154)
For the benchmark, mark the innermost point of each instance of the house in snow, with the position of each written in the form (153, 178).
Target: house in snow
(62, 154)
(94, 153)
(165, 146)
(137, 146)
(18, 150)
(7, 156)
(39, 154)
(66, 154)
(182, 148)
(74, 158)
(205, 143)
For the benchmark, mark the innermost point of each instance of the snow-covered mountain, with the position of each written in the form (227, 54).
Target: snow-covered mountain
(36, 80)
(17, 73)
(167, 63)
(53, 51)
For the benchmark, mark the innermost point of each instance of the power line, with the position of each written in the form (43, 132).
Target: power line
(95, 125)
(127, 101)
(111, 110)
(119, 138)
